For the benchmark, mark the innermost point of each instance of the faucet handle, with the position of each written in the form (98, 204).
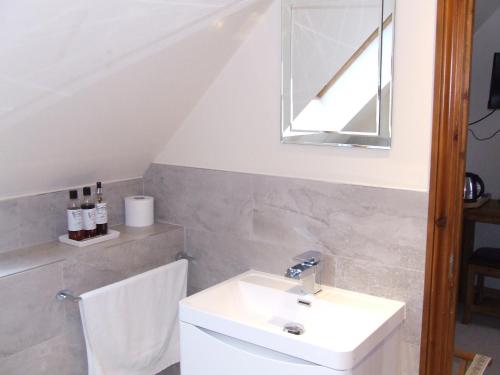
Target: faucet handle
(312, 257)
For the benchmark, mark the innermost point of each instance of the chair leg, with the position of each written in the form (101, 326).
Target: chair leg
(469, 297)
(463, 368)
(480, 288)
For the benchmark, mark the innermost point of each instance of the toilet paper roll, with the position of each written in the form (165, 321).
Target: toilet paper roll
(139, 211)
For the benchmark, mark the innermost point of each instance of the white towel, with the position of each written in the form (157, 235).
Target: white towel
(131, 327)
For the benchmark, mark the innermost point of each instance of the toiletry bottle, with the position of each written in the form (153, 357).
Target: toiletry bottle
(101, 209)
(88, 213)
(74, 214)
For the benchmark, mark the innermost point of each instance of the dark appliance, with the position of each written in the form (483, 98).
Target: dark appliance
(494, 101)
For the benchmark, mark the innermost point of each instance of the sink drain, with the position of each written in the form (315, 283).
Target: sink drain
(294, 328)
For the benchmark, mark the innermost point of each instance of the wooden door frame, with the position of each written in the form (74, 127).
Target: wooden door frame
(449, 140)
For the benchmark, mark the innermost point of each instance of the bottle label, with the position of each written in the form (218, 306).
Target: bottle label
(88, 219)
(101, 213)
(74, 220)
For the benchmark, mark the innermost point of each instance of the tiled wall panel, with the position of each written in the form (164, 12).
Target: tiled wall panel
(37, 219)
(373, 239)
(42, 336)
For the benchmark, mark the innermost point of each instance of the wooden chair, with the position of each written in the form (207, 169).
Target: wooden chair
(472, 363)
(484, 262)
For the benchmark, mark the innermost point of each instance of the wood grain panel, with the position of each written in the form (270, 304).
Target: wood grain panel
(451, 102)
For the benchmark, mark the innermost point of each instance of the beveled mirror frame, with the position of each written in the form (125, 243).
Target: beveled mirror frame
(331, 138)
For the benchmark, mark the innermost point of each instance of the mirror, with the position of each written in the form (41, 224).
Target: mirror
(337, 72)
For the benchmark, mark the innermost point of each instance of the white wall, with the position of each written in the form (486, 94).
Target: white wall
(484, 10)
(235, 126)
(483, 157)
(111, 123)
(104, 113)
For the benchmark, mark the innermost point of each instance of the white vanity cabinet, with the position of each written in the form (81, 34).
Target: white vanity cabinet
(257, 323)
(209, 353)
(206, 352)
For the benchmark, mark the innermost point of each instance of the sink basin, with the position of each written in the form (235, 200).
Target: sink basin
(338, 328)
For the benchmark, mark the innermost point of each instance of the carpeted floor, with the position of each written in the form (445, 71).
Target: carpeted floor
(482, 336)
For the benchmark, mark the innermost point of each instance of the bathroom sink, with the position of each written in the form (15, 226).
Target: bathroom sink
(335, 328)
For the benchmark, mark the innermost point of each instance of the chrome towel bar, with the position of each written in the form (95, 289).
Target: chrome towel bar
(67, 295)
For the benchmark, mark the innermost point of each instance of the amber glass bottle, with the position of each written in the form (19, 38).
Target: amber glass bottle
(88, 213)
(101, 209)
(74, 214)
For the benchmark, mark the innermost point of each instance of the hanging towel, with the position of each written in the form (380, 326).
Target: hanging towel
(131, 327)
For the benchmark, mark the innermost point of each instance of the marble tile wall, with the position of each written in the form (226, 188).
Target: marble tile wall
(40, 335)
(36, 219)
(373, 239)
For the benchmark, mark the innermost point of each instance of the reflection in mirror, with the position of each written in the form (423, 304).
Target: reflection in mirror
(337, 72)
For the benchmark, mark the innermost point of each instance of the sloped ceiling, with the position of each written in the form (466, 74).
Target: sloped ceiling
(484, 10)
(94, 89)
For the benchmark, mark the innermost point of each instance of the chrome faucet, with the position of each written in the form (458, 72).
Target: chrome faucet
(308, 271)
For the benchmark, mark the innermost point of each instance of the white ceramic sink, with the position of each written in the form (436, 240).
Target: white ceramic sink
(341, 327)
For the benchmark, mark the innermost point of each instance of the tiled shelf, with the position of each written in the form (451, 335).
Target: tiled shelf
(28, 258)
(48, 331)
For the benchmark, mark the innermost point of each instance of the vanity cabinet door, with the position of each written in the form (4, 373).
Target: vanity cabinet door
(205, 352)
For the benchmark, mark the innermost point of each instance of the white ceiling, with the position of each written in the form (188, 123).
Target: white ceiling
(93, 89)
(51, 48)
